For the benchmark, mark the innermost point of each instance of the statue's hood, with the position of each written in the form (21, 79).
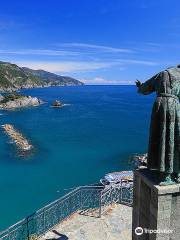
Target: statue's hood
(175, 75)
(175, 72)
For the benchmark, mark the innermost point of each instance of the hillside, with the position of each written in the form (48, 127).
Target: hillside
(13, 77)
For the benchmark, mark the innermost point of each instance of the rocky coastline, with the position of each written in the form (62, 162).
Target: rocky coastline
(13, 78)
(20, 141)
(20, 102)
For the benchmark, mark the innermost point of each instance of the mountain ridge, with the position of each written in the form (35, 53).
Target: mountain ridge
(13, 77)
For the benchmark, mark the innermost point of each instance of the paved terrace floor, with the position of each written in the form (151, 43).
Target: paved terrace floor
(114, 225)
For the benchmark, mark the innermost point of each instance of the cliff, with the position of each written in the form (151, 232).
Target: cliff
(15, 100)
(13, 77)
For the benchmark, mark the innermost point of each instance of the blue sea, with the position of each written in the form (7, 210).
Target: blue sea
(96, 133)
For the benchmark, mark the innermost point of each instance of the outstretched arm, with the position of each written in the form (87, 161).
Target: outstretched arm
(148, 86)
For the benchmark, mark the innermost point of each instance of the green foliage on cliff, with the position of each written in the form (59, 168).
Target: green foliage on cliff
(13, 77)
(11, 97)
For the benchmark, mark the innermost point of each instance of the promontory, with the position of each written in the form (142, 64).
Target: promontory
(14, 100)
(13, 77)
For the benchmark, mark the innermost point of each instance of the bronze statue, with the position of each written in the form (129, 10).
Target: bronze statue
(164, 139)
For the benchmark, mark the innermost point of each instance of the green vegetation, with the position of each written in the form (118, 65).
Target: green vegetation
(13, 77)
(11, 97)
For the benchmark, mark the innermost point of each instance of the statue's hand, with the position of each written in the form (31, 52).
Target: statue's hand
(138, 83)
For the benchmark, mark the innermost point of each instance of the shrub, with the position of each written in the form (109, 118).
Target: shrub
(12, 96)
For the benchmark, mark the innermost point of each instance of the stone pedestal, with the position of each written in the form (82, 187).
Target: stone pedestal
(155, 208)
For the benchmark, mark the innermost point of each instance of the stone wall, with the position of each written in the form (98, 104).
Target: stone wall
(155, 208)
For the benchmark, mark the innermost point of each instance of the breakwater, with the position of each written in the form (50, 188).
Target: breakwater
(21, 142)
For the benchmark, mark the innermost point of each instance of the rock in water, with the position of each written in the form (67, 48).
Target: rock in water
(57, 104)
(24, 101)
(20, 141)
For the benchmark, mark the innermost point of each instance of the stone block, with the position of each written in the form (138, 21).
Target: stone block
(155, 208)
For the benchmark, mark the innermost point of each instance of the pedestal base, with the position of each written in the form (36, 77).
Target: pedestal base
(156, 209)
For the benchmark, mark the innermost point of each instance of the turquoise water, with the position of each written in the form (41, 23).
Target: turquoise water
(74, 145)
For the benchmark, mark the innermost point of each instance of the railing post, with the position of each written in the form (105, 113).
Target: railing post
(9, 233)
(120, 195)
(44, 220)
(81, 200)
(100, 202)
(27, 225)
(112, 191)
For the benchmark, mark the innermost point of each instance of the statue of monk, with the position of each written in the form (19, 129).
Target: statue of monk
(164, 139)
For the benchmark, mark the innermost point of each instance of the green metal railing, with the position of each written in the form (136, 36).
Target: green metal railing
(93, 200)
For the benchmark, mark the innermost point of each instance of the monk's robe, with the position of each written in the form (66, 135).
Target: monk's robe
(164, 138)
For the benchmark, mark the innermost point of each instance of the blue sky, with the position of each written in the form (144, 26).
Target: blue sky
(97, 41)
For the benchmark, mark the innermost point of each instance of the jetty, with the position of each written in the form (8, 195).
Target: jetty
(20, 141)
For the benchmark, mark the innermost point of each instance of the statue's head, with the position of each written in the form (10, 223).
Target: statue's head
(178, 66)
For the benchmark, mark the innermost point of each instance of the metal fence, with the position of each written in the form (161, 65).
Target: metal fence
(91, 200)
(116, 193)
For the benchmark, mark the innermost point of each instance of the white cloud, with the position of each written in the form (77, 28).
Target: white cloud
(81, 66)
(139, 62)
(46, 52)
(97, 47)
(67, 66)
(103, 81)
(67, 49)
